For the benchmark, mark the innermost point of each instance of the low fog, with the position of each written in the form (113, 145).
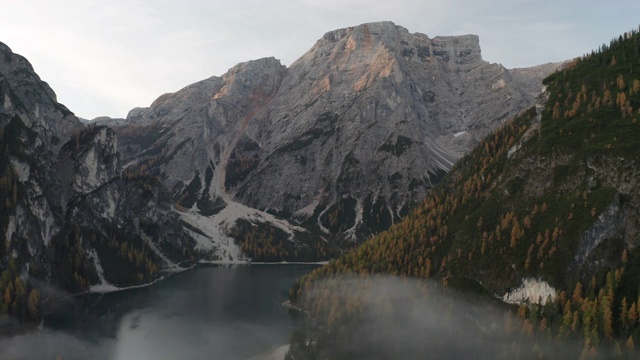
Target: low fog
(209, 313)
(236, 313)
(405, 320)
(146, 336)
(48, 344)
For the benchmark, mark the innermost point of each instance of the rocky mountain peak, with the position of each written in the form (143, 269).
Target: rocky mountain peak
(136, 114)
(27, 95)
(377, 27)
(252, 78)
(20, 74)
(367, 37)
(5, 48)
(461, 49)
(343, 140)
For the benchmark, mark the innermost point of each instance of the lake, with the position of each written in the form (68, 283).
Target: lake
(203, 313)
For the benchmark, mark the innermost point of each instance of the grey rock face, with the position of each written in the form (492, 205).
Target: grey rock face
(136, 114)
(529, 79)
(195, 129)
(618, 223)
(70, 208)
(34, 101)
(606, 226)
(373, 111)
(344, 141)
(85, 163)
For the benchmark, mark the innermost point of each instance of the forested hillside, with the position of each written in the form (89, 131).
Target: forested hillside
(70, 219)
(552, 198)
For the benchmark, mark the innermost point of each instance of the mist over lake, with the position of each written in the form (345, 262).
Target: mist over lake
(204, 313)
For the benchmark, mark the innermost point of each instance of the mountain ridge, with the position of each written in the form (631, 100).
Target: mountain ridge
(271, 163)
(409, 106)
(265, 163)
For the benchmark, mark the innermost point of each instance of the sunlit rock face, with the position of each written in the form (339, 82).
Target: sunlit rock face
(357, 129)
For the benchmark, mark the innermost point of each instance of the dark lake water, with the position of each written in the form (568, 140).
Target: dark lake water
(204, 313)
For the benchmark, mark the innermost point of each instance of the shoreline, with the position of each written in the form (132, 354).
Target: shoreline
(110, 288)
(275, 353)
(292, 263)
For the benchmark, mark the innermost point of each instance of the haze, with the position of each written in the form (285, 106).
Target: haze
(397, 320)
(106, 57)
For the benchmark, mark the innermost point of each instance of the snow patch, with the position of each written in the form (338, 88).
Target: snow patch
(215, 229)
(103, 286)
(351, 232)
(320, 226)
(532, 291)
(112, 288)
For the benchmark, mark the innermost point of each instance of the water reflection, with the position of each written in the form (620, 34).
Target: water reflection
(206, 313)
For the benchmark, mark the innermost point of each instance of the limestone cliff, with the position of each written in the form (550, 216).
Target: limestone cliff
(69, 216)
(343, 142)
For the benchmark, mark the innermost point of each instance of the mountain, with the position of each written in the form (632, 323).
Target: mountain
(70, 218)
(336, 147)
(264, 163)
(543, 214)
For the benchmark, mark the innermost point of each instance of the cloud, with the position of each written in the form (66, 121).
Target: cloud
(47, 345)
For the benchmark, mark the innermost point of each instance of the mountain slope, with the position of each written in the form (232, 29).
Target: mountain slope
(543, 211)
(340, 143)
(69, 218)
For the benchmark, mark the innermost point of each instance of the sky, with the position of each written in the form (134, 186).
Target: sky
(105, 57)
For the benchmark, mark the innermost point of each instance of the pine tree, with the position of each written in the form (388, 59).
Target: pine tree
(33, 303)
(629, 345)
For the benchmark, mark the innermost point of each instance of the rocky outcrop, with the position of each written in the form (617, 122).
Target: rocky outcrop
(531, 291)
(376, 114)
(33, 100)
(343, 141)
(529, 79)
(606, 226)
(67, 208)
(83, 169)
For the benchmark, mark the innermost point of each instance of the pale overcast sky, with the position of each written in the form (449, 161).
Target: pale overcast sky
(104, 57)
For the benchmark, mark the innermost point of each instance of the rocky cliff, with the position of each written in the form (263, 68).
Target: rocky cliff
(343, 142)
(69, 216)
(542, 213)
